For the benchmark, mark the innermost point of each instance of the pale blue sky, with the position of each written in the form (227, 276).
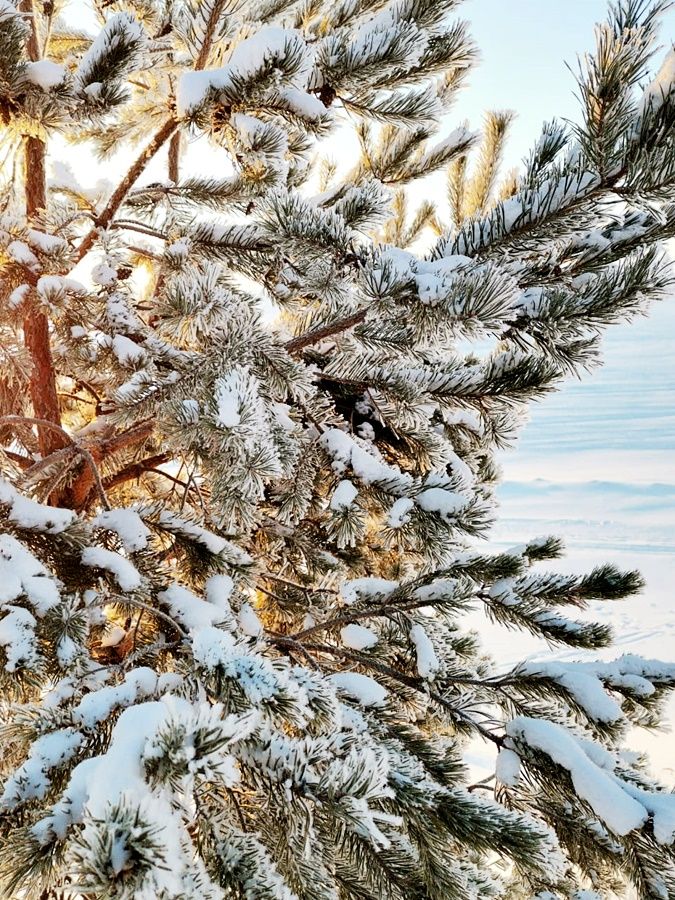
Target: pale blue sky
(524, 46)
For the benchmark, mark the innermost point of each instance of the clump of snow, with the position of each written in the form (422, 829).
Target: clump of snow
(247, 58)
(586, 681)
(358, 637)
(104, 274)
(428, 663)
(213, 542)
(343, 496)
(188, 609)
(507, 768)
(127, 525)
(608, 798)
(46, 243)
(45, 73)
(113, 637)
(249, 622)
(345, 451)
(96, 706)
(125, 573)
(21, 253)
(57, 286)
(364, 588)
(29, 514)
(127, 351)
(399, 514)
(362, 688)
(662, 85)
(22, 574)
(218, 590)
(228, 401)
(31, 780)
(18, 295)
(446, 504)
(17, 638)
(120, 29)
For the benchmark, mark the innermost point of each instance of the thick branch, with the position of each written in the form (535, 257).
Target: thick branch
(135, 470)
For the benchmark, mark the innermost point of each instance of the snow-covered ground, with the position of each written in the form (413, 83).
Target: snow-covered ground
(596, 465)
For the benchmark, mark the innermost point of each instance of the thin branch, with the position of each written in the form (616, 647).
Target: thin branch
(416, 684)
(165, 131)
(324, 331)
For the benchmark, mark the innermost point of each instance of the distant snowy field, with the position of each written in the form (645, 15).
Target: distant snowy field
(596, 465)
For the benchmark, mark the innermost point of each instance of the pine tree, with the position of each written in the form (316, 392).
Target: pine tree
(248, 462)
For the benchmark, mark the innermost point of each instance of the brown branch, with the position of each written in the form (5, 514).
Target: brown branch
(125, 185)
(135, 470)
(209, 32)
(324, 331)
(174, 158)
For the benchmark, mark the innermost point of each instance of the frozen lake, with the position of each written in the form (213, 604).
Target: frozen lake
(596, 465)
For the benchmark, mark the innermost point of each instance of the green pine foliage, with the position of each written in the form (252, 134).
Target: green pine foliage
(248, 463)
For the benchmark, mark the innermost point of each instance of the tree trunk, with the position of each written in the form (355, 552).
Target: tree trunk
(42, 386)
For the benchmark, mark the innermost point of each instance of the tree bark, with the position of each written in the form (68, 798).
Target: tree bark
(42, 386)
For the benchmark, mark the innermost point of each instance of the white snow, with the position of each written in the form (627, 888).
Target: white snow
(446, 504)
(246, 58)
(46, 243)
(218, 590)
(17, 638)
(30, 514)
(21, 573)
(125, 573)
(45, 73)
(428, 663)
(358, 637)
(213, 542)
(362, 688)
(663, 84)
(249, 622)
(18, 295)
(228, 401)
(305, 105)
(346, 451)
(343, 495)
(127, 525)
(190, 610)
(113, 637)
(104, 274)
(507, 769)
(127, 351)
(620, 812)
(120, 27)
(363, 588)
(97, 705)
(31, 779)
(21, 253)
(399, 514)
(57, 286)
